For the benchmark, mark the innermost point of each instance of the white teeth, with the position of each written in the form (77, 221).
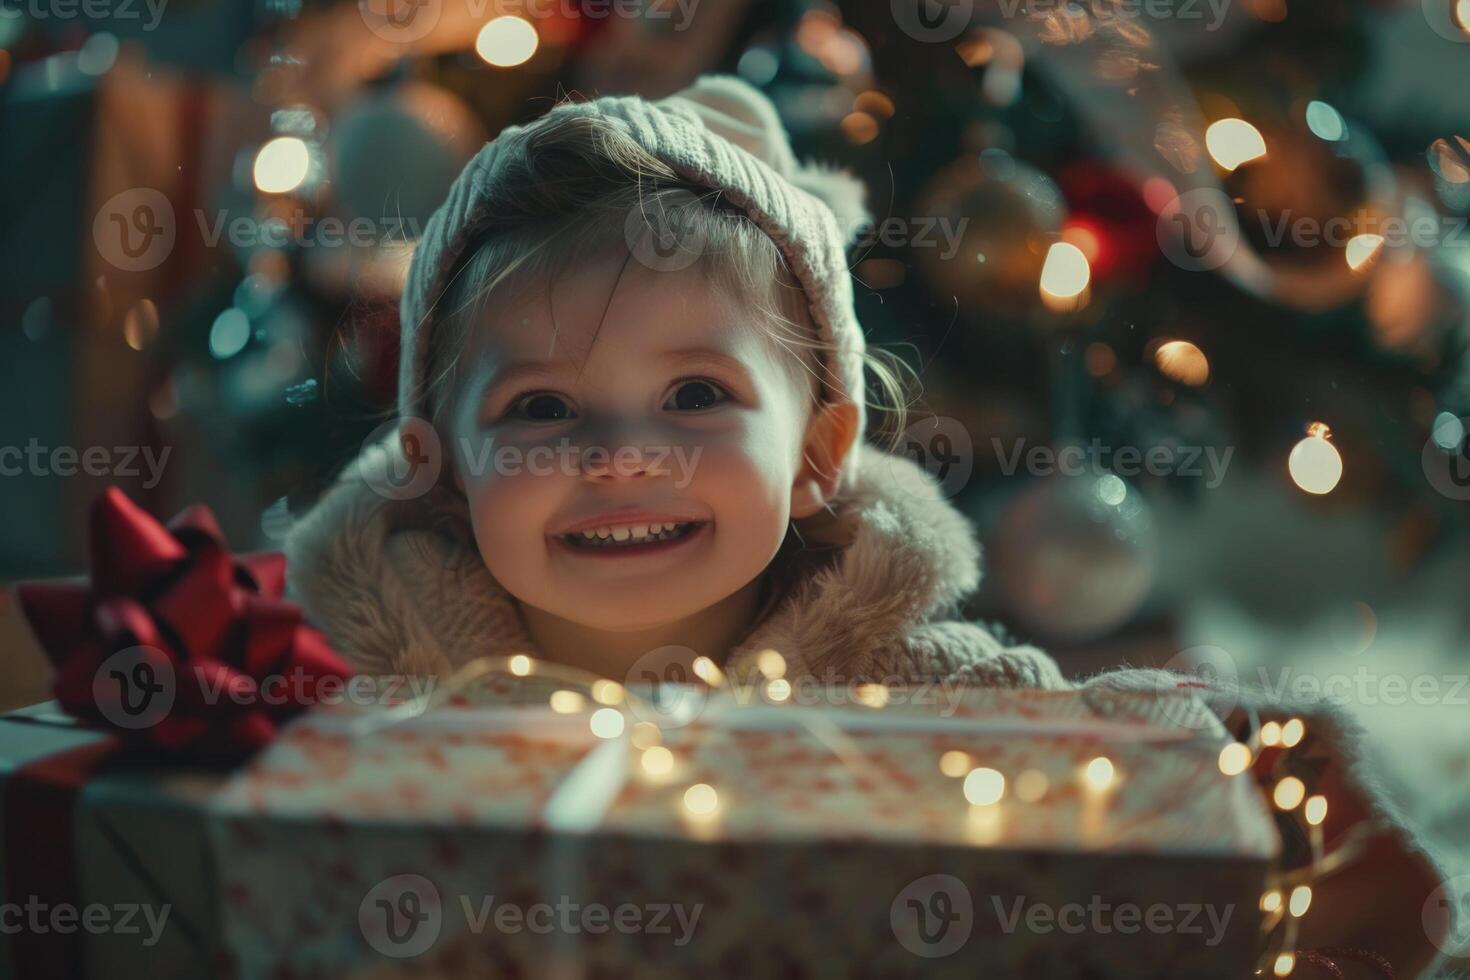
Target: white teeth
(604, 537)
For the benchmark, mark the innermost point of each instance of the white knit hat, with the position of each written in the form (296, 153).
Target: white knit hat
(720, 133)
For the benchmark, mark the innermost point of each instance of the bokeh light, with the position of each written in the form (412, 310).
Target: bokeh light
(507, 41)
(282, 165)
(1234, 142)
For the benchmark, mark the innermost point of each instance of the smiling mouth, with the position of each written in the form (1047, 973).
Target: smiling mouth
(622, 537)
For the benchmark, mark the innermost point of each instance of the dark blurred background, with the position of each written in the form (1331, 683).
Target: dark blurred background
(208, 207)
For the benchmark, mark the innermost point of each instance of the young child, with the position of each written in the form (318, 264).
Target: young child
(630, 337)
(633, 424)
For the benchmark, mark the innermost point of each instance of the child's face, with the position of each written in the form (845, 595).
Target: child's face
(646, 401)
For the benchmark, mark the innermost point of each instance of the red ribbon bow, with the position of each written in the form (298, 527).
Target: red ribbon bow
(175, 642)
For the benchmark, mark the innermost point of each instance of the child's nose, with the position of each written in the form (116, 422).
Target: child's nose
(623, 455)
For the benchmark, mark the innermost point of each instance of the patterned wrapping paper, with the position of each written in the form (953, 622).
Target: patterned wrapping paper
(801, 869)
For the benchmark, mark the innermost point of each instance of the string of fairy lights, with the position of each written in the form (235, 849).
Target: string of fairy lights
(608, 704)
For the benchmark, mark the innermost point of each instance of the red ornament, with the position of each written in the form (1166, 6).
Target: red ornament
(170, 621)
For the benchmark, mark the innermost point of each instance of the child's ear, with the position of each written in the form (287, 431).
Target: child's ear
(829, 438)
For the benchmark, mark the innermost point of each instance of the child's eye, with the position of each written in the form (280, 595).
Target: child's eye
(691, 396)
(541, 407)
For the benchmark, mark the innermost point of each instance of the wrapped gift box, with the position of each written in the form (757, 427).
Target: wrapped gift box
(800, 840)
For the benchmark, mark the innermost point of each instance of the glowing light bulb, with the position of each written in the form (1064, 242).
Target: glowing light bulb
(701, 799)
(872, 695)
(1362, 249)
(1285, 963)
(506, 41)
(984, 787)
(567, 702)
(1315, 464)
(1462, 15)
(771, 664)
(607, 722)
(1301, 900)
(1099, 773)
(1271, 901)
(1315, 810)
(281, 165)
(778, 690)
(704, 668)
(520, 665)
(1292, 732)
(1234, 142)
(657, 761)
(1235, 758)
(1289, 793)
(1065, 276)
(607, 692)
(1271, 733)
(954, 763)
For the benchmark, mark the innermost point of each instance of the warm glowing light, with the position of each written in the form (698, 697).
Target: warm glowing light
(1292, 732)
(1235, 758)
(778, 690)
(1314, 463)
(1181, 361)
(859, 127)
(520, 665)
(1362, 249)
(607, 692)
(567, 702)
(1285, 963)
(704, 668)
(506, 41)
(645, 735)
(771, 664)
(1099, 773)
(1271, 733)
(1031, 786)
(701, 799)
(1271, 901)
(282, 165)
(657, 761)
(1234, 142)
(954, 763)
(984, 787)
(1301, 900)
(871, 695)
(607, 723)
(1316, 810)
(1462, 15)
(1064, 277)
(1289, 792)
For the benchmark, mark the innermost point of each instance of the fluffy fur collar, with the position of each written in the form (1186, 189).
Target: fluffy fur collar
(400, 587)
